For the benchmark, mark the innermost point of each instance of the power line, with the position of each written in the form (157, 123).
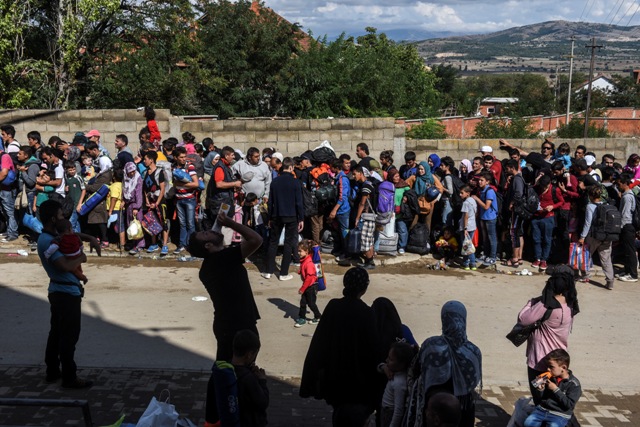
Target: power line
(634, 14)
(626, 13)
(616, 14)
(590, 7)
(609, 14)
(583, 9)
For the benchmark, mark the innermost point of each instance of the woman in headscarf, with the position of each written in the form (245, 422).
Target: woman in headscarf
(133, 199)
(341, 363)
(434, 162)
(449, 363)
(422, 180)
(556, 308)
(464, 170)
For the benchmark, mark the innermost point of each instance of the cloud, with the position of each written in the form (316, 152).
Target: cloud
(441, 15)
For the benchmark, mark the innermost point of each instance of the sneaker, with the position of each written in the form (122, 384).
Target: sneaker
(134, 251)
(340, 258)
(628, 278)
(489, 261)
(164, 251)
(77, 383)
(300, 323)
(369, 266)
(543, 265)
(466, 268)
(9, 239)
(266, 275)
(152, 248)
(536, 264)
(609, 285)
(179, 250)
(401, 251)
(480, 258)
(314, 321)
(286, 277)
(473, 267)
(618, 275)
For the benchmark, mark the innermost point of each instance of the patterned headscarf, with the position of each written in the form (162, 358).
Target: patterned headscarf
(72, 153)
(467, 164)
(130, 183)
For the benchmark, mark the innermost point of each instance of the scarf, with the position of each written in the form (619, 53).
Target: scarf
(423, 181)
(451, 356)
(73, 153)
(468, 165)
(130, 184)
(435, 159)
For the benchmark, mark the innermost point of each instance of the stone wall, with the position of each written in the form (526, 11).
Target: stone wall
(291, 137)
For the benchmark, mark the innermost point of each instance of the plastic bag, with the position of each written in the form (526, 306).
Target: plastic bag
(159, 414)
(580, 257)
(467, 246)
(134, 231)
(522, 409)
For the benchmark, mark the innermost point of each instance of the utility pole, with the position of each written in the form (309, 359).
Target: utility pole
(566, 122)
(593, 48)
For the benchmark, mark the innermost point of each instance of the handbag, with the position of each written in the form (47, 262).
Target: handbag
(134, 231)
(159, 413)
(580, 257)
(21, 201)
(424, 205)
(151, 224)
(520, 333)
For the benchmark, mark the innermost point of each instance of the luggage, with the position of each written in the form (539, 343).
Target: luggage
(317, 261)
(388, 245)
(353, 242)
(95, 199)
(419, 240)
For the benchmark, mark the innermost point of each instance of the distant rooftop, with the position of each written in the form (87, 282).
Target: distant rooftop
(500, 100)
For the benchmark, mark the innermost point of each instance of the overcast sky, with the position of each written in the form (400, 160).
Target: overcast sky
(466, 16)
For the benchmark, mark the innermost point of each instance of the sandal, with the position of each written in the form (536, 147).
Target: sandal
(514, 262)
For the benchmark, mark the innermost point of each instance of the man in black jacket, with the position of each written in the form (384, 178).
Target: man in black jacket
(286, 211)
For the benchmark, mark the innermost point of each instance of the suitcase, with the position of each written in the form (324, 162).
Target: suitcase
(354, 245)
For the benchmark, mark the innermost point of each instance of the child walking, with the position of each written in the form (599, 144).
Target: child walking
(560, 393)
(393, 400)
(309, 288)
(468, 224)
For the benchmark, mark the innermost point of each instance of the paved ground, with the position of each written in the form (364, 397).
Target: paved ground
(143, 333)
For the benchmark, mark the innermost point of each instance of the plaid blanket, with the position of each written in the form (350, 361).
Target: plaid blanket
(366, 239)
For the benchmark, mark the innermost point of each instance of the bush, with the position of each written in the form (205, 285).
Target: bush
(429, 129)
(575, 129)
(517, 128)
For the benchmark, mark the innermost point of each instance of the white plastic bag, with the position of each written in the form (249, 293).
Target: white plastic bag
(467, 246)
(159, 414)
(134, 231)
(522, 409)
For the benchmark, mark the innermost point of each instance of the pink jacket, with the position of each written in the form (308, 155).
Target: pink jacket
(553, 334)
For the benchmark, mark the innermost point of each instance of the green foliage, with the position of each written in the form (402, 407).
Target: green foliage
(626, 92)
(369, 76)
(575, 129)
(516, 128)
(429, 129)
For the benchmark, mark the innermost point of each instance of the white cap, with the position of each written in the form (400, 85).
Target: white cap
(590, 160)
(486, 149)
(278, 156)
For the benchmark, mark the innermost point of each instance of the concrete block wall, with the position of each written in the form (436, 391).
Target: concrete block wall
(291, 137)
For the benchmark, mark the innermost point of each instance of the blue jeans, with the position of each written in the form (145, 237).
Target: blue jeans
(187, 219)
(75, 223)
(542, 233)
(540, 416)
(447, 210)
(8, 199)
(343, 229)
(490, 239)
(468, 259)
(402, 228)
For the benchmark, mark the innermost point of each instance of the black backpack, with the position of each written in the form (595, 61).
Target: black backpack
(309, 202)
(455, 199)
(419, 239)
(635, 216)
(530, 202)
(606, 224)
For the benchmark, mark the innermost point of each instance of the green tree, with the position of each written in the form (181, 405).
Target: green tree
(626, 92)
(575, 129)
(429, 129)
(517, 128)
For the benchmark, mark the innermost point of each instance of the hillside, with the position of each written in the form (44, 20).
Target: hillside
(538, 48)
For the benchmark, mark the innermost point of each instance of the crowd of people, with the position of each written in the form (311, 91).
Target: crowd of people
(470, 214)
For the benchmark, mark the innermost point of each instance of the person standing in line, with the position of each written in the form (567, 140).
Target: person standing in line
(286, 212)
(488, 218)
(224, 276)
(628, 233)
(185, 197)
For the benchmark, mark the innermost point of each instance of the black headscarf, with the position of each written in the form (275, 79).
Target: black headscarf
(561, 282)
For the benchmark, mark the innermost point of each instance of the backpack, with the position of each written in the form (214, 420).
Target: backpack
(606, 224)
(326, 191)
(167, 170)
(455, 199)
(635, 216)
(411, 207)
(317, 261)
(309, 202)
(385, 206)
(419, 239)
(530, 202)
(196, 160)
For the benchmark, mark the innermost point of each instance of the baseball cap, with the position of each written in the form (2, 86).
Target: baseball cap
(278, 156)
(486, 149)
(92, 132)
(590, 160)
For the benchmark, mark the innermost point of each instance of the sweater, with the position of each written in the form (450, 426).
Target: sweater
(562, 401)
(546, 199)
(261, 181)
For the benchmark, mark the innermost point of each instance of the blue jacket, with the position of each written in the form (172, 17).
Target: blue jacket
(344, 189)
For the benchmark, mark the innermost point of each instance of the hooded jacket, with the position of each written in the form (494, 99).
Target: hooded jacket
(261, 181)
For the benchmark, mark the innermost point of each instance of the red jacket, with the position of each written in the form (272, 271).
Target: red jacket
(155, 132)
(307, 273)
(546, 199)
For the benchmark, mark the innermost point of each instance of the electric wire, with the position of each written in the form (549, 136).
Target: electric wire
(626, 13)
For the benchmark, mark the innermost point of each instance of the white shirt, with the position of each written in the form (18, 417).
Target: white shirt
(60, 175)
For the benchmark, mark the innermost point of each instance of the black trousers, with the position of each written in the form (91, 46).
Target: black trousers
(308, 298)
(290, 241)
(63, 335)
(628, 246)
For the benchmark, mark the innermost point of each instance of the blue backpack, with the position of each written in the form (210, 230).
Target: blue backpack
(317, 260)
